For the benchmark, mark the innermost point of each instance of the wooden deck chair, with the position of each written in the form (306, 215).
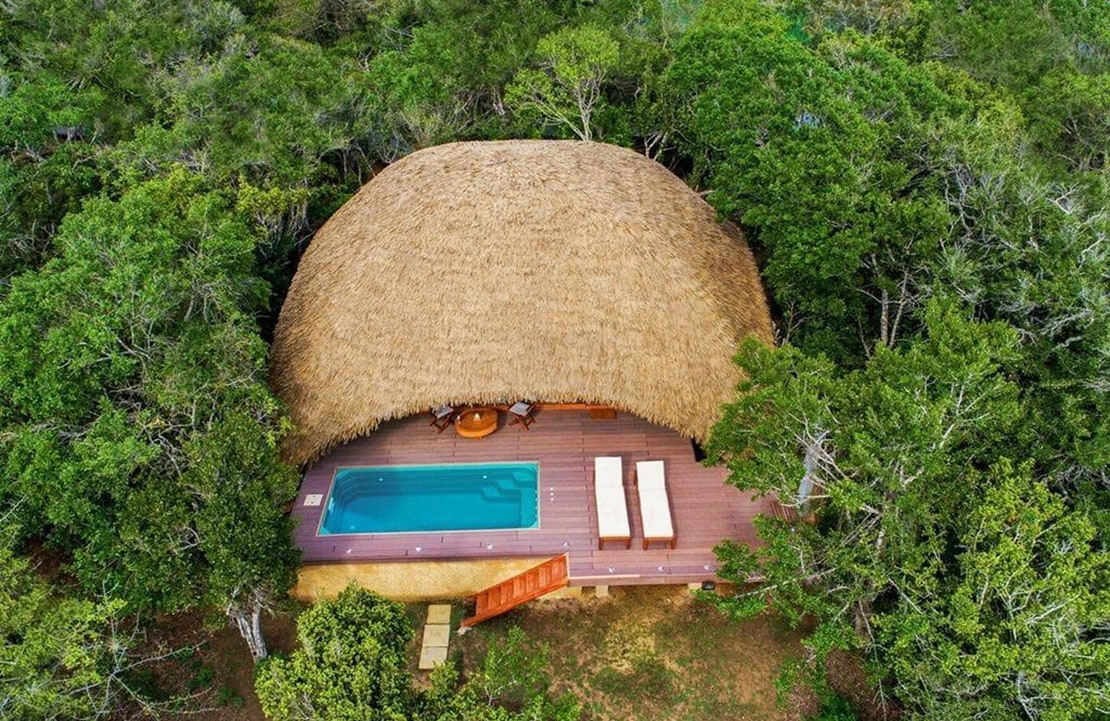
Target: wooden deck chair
(443, 417)
(655, 507)
(521, 411)
(612, 511)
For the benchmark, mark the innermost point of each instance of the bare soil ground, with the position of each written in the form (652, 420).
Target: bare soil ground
(210, 677)
(848, 678)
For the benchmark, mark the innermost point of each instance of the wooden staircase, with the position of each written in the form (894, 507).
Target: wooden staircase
(551, 575)
(781, 512)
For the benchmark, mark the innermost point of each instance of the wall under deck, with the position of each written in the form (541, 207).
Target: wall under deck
(409, 582)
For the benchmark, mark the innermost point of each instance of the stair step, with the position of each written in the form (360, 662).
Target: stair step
(549, 576)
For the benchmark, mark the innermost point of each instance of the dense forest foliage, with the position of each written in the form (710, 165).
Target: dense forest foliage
(925, 184)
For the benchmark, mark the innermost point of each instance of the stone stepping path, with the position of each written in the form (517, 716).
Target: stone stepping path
(437, 633)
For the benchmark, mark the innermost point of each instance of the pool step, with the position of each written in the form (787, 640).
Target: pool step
(551, 575)
(492, 493)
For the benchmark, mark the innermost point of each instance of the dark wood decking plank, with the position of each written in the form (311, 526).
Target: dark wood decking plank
(704, 509)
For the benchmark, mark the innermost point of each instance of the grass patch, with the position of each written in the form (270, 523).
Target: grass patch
(654, 652)
(649, 678)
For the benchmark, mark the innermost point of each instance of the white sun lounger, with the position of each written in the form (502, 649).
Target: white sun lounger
(612, 511)
(655, 508)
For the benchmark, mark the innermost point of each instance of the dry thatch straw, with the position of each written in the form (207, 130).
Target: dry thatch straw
(488, 272)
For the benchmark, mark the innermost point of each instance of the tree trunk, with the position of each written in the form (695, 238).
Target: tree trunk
(250, 627)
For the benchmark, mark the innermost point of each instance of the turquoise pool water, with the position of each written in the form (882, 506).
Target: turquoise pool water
(459, 497)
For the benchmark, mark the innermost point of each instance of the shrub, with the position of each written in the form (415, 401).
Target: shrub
(351, 664)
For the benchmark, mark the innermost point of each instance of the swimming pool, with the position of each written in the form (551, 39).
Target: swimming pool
(457, 497)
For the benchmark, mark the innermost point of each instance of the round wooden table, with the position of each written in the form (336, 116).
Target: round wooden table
(476, 422)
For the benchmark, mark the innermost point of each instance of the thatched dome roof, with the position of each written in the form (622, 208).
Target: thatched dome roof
(488, 272)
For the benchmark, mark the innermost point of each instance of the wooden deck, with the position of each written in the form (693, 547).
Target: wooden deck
(565, 442)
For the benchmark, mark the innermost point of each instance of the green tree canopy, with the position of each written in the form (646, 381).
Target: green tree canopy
(820, 152)
(1017, 630)
(139, 434)
(936, 560)
(54, 652)
(567, 90)
(352, 666)
(268, 108)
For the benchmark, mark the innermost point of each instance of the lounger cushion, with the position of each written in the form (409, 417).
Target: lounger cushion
(612, 511)
(655, 509)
